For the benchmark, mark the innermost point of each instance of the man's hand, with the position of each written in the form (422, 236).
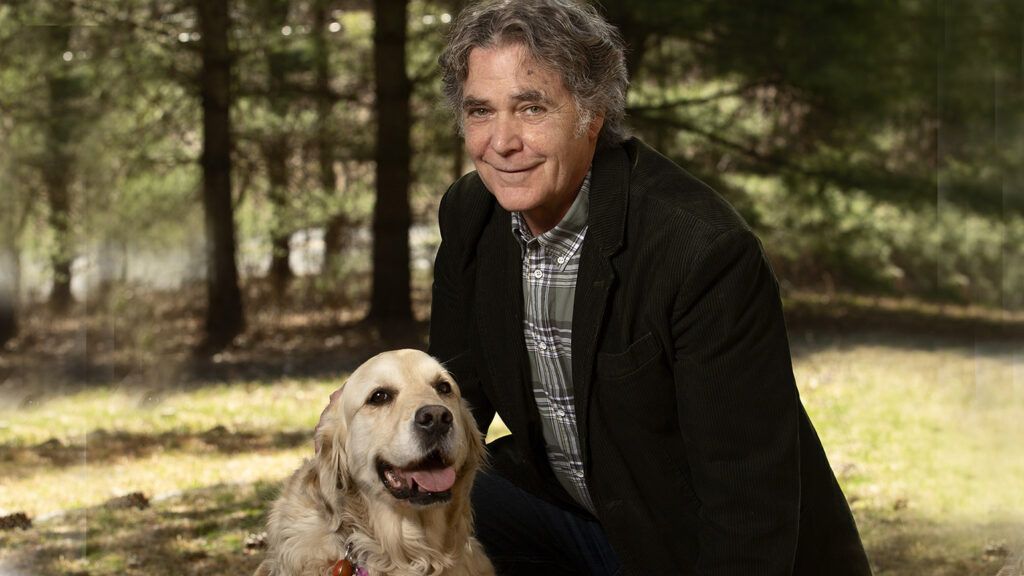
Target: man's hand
(316, 435)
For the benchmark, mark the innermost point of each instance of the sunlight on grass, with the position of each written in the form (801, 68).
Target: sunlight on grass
(90, 485)
(281, 405)
(199, 532)
(937, 432)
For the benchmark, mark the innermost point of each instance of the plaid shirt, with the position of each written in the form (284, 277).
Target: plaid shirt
(551, 262)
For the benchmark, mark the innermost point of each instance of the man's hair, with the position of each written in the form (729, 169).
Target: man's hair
(569, 38)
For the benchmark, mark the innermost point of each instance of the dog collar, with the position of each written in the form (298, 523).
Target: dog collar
(346, 567)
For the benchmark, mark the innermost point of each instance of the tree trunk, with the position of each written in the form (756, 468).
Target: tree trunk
(14, 215)
(274, 14)
(275, 154)
(334, 232)
(224, 317)
(335, 235)
(57, 163)
(390, 301)
(10, 284)
(56, 180)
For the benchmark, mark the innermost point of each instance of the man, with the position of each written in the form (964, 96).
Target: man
(622, 320)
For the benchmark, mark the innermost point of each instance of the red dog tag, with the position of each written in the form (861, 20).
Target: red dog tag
(342, 568)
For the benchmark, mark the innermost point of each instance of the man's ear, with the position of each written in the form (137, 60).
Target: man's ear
(594, 128)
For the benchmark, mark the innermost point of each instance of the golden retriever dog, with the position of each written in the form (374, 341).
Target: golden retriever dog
(388, 490)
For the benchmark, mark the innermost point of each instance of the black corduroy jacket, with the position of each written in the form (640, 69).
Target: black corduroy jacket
(697, 451)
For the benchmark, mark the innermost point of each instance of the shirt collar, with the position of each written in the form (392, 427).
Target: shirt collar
(565, 238)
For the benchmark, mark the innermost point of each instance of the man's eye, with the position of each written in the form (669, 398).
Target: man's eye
(380, 397)
(534, 110)
(477, 112)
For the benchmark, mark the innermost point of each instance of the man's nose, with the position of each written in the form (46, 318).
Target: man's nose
(507, 136)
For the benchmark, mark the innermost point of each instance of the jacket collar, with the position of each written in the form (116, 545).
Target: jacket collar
(609, 196)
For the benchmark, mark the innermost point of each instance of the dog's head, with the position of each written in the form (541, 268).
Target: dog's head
(399, 432)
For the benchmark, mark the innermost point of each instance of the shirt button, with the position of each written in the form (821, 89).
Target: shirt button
(561, 259)
(542, 345)
(578, 473)
(538, 273)
(561, 412)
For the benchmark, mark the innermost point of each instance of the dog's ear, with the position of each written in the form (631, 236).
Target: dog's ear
(477, 455)
(331, 460)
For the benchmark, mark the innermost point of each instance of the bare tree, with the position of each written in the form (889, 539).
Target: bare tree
(390, 301)
(337, 223)
(224, 316)
(10, 280)
(57, 160)
(275, 145)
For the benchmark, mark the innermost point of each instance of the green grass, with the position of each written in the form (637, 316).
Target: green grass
(925, 439)
(201, 532)
(937, 432)
(278, 405)
(82, 449)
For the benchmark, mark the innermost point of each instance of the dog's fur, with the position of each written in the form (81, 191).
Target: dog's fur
(339, 499)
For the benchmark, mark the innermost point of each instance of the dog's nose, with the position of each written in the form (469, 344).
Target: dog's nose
(434, 420)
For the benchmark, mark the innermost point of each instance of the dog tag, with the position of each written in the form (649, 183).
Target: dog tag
(342, 568)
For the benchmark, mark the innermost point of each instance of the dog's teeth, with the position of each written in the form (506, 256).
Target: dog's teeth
(393, 478)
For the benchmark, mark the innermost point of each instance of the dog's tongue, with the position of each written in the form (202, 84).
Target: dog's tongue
(435, 480)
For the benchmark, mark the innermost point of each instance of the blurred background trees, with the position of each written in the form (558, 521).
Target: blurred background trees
(297, 148)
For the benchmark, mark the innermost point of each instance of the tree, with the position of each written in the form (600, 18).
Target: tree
(275, 143)
(390, 300)
(62, 89)
(10, 265)
(224, 315)
(337, 223)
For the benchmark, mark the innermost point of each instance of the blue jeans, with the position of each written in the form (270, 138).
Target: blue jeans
(523, 534)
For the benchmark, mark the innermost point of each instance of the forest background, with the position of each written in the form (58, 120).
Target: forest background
(211, 210)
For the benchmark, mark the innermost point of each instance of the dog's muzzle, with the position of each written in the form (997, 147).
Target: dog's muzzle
(428, 481)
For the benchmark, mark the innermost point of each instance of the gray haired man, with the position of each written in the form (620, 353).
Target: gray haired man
(622, 320)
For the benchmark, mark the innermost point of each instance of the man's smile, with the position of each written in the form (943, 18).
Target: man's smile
(514, 175)
(514, 170)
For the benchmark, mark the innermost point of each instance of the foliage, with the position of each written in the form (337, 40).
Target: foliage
(874, 147)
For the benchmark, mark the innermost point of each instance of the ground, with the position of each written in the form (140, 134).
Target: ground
(130, 456)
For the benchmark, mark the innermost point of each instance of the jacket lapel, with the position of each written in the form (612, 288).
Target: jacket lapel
(609, 195)
(499, 312)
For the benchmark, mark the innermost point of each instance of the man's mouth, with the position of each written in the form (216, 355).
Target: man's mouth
(425, 482)
(514, 170)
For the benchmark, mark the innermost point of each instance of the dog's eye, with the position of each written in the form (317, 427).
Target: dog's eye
(380, 397)
(443, 388)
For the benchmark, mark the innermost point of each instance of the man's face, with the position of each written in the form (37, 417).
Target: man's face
(521, 132)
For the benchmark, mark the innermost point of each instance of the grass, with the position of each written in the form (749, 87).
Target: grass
(107, 441)
(200, 532)
(275, 405)
(923, 434)
(936, 430)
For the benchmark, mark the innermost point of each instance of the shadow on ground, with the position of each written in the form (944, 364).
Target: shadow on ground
(206, 532)
(103, 447)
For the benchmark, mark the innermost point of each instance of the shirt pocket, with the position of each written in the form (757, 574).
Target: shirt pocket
(616, 365)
